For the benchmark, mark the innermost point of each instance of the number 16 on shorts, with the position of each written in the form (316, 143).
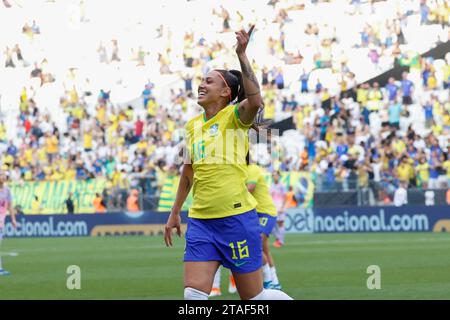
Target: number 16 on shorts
(242, 250)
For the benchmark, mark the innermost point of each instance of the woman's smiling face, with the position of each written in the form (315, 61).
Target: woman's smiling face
(211, 89)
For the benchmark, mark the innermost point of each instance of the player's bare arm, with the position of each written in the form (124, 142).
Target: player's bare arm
(184, 187)
(250, 106)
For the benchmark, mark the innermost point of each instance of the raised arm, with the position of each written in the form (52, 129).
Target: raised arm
(249, 107)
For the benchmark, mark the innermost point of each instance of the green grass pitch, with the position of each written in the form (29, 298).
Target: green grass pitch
(327, 266)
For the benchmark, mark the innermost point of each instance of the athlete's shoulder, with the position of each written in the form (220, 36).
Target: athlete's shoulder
(254, 168)
(234, 111)
(190, 124)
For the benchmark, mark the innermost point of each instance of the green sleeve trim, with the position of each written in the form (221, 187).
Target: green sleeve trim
(251, 182)
(236, 112)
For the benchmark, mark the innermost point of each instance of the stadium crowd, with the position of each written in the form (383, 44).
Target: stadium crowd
(348, 133)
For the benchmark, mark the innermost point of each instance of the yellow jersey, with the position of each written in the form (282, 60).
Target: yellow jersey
(404, 171)
(87, 140)
(423, 170)
(218, 149)
(261, 192)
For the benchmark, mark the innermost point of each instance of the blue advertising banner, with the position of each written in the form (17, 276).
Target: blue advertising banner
(83, 225)
(298, 220)
(383, 219)
(369, 219)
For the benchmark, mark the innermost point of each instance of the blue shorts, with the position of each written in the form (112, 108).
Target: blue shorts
(234, 241)
(267, 223)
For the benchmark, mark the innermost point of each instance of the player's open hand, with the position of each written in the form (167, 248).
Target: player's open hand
(174, 221)
(243, 39)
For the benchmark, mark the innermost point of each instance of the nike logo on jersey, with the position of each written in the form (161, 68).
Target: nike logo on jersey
(238, 264)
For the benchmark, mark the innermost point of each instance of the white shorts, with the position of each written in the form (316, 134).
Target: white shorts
(281, 216)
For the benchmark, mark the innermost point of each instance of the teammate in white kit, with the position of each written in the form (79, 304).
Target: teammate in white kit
(5, 207)
(278, 193)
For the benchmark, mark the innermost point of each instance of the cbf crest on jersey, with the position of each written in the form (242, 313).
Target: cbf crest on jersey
(214, 129)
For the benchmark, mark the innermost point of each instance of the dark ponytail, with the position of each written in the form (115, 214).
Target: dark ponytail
(240, 90)
(235, 82)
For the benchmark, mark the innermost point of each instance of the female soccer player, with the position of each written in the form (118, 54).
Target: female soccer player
(5, 207)
(258, 187)
(267, 213)
(223, 224)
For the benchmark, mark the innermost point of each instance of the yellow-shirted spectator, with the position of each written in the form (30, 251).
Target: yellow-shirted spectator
(22, 161)
(70, 174)
(73, 96)
(23, 106)
(150, 149)
(446, 119)
(325, 95)
(28, 175)
(56, 176)
(87, 140)
(23, 95)
(122, 116)
(114, 119)
(299, 120)
(423, 173)
(142, 145)
(115, 178)
(51, 145)
(184, 105)
(2, 132)
(437, 129)
(343, 84)
(404, 170)
(374, 96)
(101, 114)
(432, 81)
(446, 72)
(129, 113)
(307, 110)
(122, 180)
(48, 172)
(329, 135)
(363, 177)
(269, 110)
(151, 107)
(120, 141)
(437, 108)
(170, 129)
(353, 150)
(8, 159)
(362, 94)
(28, 155)
(399, 146)
(78, 112)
